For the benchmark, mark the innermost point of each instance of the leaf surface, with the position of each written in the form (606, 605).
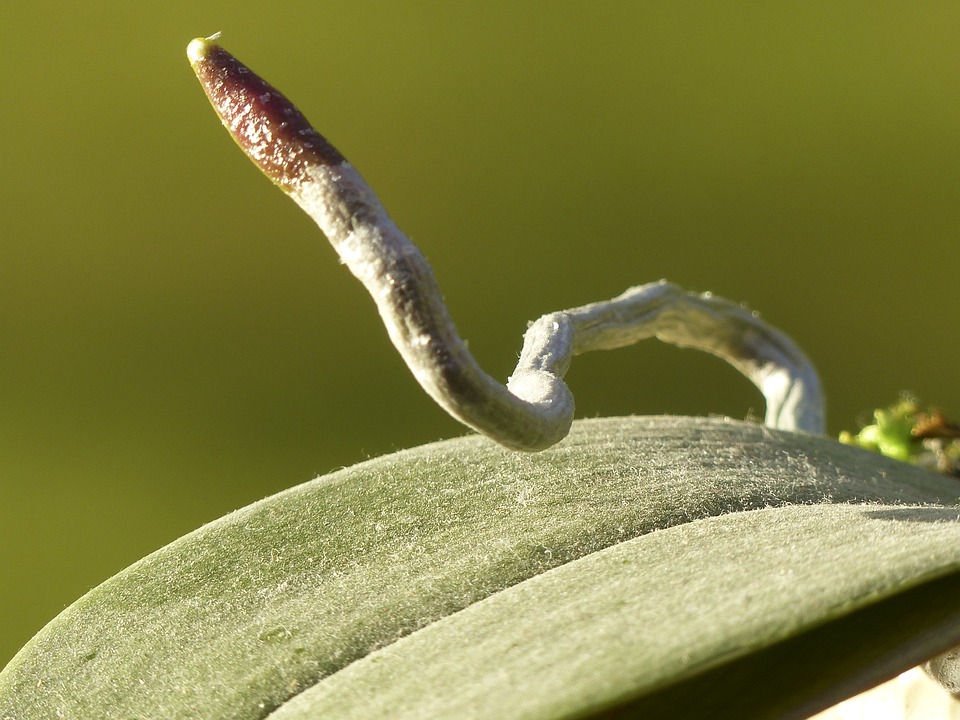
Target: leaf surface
(638, 563)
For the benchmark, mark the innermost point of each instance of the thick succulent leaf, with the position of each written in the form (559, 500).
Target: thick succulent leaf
(717, 617)
(643, 563)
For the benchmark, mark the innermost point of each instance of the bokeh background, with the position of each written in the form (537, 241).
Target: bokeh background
(177, 340)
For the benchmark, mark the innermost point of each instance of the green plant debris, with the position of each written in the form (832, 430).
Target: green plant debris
(911, 432)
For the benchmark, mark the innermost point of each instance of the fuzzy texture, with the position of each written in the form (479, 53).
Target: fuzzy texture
(586, 636)
(237, 618)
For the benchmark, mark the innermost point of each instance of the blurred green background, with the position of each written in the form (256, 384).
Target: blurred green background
(177, 340)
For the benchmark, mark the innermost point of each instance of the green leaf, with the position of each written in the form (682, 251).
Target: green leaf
(666, 567)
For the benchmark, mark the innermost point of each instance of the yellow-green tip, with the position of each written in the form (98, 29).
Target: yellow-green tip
(199, 47)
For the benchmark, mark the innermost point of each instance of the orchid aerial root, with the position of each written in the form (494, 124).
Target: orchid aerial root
(535, 409)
